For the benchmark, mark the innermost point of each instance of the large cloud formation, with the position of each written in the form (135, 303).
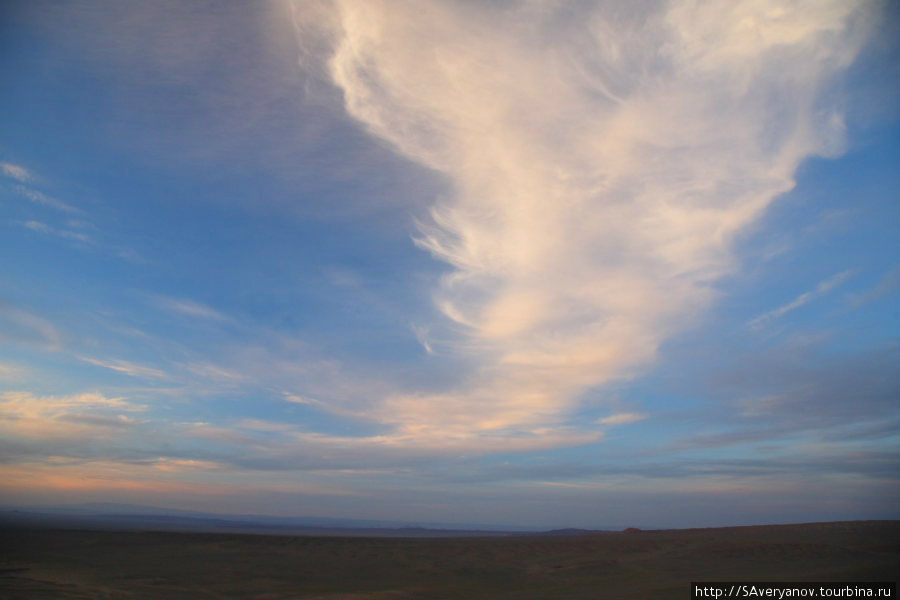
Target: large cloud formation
(603, 158)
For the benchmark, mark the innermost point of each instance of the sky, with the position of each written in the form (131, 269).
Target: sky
(519, 263)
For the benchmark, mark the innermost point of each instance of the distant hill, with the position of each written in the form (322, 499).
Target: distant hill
(112, 516)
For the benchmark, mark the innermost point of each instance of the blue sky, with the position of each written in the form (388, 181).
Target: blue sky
(513, 263)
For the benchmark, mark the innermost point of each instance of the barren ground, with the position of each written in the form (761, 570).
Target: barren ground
(36, 563)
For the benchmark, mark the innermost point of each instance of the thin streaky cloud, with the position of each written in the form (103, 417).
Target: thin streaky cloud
(189, 308)
(888, 283)
(294, 398)
(20, 325)
(44, 199)
(128, 368)
(28, 401)
(40, 227)
(17, 172)
(265, 426)
(214, 372)
(76, 416)
(822, 289)
(332, 406)
(622, 419)
(10, 373)
(421, 334)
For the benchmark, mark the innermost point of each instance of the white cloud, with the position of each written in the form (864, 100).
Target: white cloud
(295, 399)
(189, 308)
(343, 277)
(214, 372)
(422, 337)
(63, 233)
(127, 368)
(16, 172)
(621, 419)
(76, 415)
(38, 226)
(383, 449)
(889, 282)
(19, 325)
(23, 175)
(805, 298)
(264, 426)
(39, 198)
(603, 161)
(11, 372)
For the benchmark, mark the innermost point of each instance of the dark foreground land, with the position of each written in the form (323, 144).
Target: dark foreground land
(36, 563)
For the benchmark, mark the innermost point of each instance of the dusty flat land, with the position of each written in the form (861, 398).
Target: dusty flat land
(650, 564)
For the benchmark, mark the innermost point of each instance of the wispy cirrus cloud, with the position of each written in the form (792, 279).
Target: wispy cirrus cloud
(188, 308)
(40, 227)
(603, 162)
(11, 372)
(800, 391)
(128, 368)
(621, 419)
(822, 289)
(885, 286)
(214, 372)
(18, 325)
(17, 172)
(25, 177)
(44, 199)
(24, 414)
(153, 480)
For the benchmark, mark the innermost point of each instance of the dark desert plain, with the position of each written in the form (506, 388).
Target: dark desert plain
(61, 563)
